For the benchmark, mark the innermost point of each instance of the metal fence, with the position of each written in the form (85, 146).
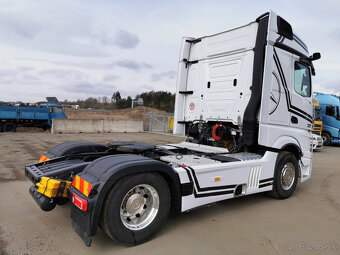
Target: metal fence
(158, 123)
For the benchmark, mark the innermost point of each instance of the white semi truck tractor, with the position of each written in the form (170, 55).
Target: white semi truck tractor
(244, 102)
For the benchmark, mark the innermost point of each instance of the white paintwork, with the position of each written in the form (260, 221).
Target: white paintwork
(231, 173)
(317, 142)
(200, 147)
(223, 58)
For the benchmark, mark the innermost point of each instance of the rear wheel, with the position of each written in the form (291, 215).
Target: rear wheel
(286, 175)
(326, 139)
(9, 127)
(136, 208)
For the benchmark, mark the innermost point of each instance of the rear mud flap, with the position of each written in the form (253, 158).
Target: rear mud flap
(77, 228)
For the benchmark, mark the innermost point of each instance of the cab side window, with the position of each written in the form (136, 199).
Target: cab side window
(330, 110)
(58, 110)
(302, 80)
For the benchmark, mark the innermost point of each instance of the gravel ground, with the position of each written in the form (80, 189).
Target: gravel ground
(306, 223)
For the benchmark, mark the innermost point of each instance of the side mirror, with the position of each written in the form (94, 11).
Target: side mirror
(315, 56)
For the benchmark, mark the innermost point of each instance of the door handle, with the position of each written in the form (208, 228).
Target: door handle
(294, 120)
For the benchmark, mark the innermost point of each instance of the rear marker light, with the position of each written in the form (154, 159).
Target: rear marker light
(81, 203)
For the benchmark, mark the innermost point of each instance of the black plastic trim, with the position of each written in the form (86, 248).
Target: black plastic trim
(265, 185)
(190, 92)
(184, 122)
(210, 194)
(266, 180)
(187, 189)
(290, 49)
(261, 16)
(250, 123)
(194, 41)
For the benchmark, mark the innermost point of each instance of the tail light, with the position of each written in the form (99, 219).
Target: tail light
(80, 202)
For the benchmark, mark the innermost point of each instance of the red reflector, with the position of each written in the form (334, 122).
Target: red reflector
(81, 203)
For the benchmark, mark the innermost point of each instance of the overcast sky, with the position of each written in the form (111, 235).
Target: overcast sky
(74, 49)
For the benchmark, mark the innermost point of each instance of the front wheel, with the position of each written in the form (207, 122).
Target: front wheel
(326, 139)
(286, 175)
(10, 127)
(136, 208)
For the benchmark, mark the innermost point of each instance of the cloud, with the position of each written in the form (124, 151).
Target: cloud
(122, 39)
(18, 26)
(63, 74)
(163, 75)
(132, 64)
(111, 77)
(90, 89)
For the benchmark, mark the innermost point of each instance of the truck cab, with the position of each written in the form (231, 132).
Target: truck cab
(254, 82)
(330, 106)
(56, 111)
(317, 118)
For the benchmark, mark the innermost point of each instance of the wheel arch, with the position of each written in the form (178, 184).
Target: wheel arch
(69, 148)
(119, 167)
(293, 148)
(289, 144)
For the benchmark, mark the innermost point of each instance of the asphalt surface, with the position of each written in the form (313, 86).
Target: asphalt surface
(306, 223)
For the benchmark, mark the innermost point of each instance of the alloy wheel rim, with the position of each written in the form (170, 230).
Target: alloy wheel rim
(139, 207)
(287, 176)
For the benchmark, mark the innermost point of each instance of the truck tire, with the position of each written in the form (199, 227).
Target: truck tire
(136, 208)
(326, 138)
(10, 127)
(285, 176)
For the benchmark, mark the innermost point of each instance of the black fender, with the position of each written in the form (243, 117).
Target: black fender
(69, 148)
(293, 148)
(103, 174)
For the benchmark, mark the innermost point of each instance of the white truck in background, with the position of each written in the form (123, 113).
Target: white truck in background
(244, 100)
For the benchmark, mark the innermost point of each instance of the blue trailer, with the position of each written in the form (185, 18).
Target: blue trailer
(12, 117)
(330, 106)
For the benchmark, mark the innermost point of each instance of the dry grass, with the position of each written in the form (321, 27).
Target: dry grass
(121, 114)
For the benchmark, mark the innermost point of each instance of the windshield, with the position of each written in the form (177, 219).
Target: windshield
(317, 113)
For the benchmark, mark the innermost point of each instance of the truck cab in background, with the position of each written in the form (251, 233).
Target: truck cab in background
(317, 118)
(317, 130)
(56, 111)
(330, 106)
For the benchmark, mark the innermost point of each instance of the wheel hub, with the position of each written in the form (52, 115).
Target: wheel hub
(139, 207)
(287, 176)
(134, 203)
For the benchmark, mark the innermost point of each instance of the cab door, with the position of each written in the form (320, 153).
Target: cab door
(301, 99)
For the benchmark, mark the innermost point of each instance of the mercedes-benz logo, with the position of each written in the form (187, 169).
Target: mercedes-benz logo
(275, 94)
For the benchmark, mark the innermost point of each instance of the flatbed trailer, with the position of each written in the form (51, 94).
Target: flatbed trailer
(12, 117)
(244, 101)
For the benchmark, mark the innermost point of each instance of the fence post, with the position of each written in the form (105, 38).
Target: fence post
(163, 124)
(151, 117)
(144, 124)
